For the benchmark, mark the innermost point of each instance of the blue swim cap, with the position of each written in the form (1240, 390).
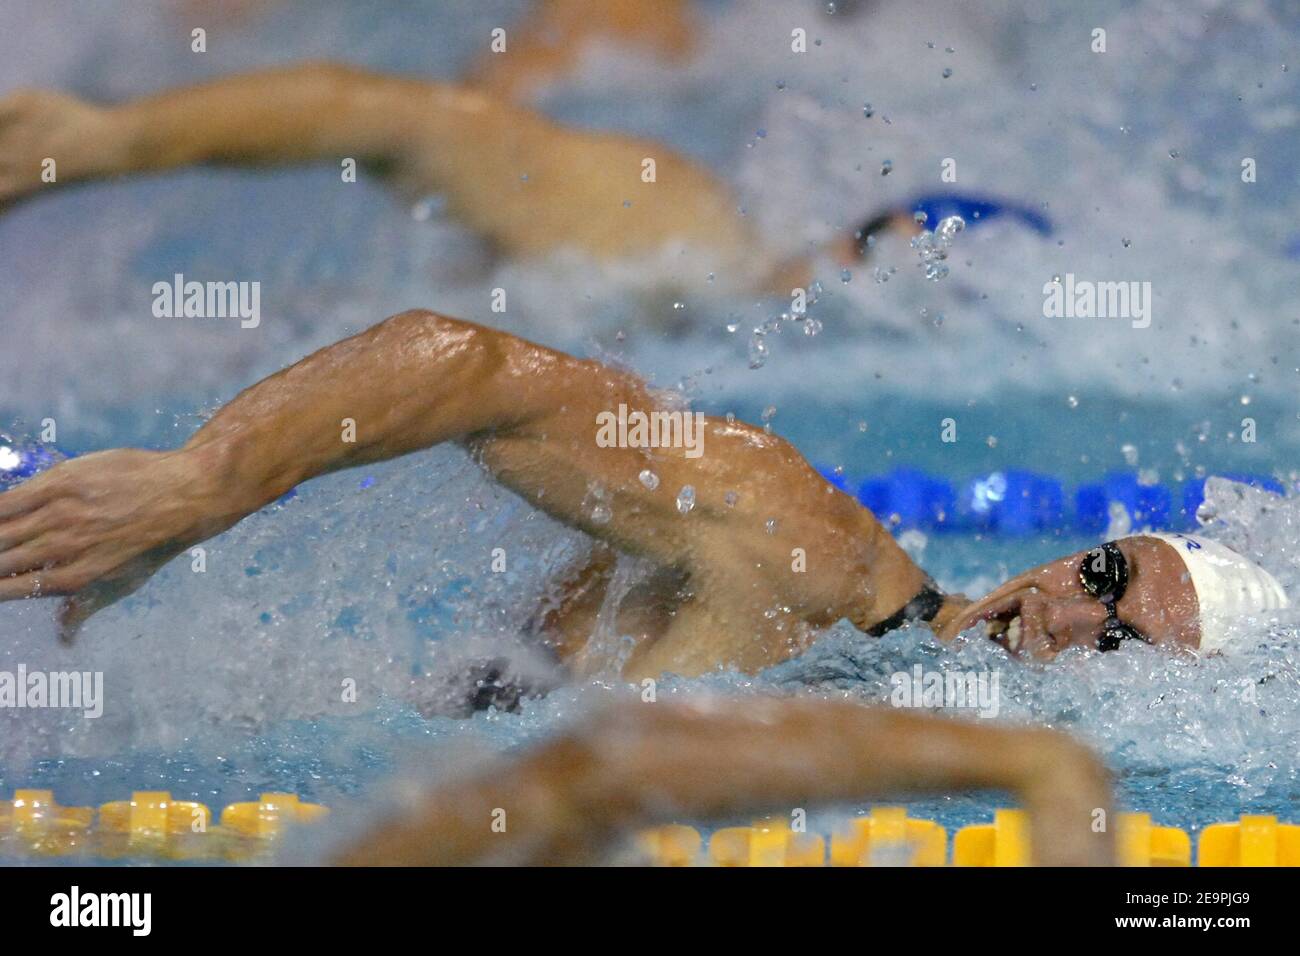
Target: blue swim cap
(20, 460)
(975, 210)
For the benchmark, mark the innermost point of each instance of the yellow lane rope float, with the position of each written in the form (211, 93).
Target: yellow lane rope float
(151, 825)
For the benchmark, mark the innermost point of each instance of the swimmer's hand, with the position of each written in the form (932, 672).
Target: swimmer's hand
(93, 529)
(48, 138)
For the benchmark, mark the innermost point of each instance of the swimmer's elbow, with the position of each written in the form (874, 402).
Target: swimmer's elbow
(459, 354)
(423, 331)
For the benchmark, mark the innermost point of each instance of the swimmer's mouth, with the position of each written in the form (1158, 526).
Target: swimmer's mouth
(1002, 624)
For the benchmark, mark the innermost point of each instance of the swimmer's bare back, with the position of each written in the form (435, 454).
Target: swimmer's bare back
(567, 800)
(768, 554)
(529, 185)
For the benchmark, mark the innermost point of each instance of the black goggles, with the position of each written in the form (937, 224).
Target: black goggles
(1104, 575)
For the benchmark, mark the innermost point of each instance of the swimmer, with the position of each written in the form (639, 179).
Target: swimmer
(572, 797)
(753, 552)
(527, 184)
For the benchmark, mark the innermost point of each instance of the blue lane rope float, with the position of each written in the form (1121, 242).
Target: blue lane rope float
(20, 460)
(1014, 502)
(1017, 502)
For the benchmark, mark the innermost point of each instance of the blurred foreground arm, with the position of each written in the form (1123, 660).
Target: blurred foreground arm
(570, 798)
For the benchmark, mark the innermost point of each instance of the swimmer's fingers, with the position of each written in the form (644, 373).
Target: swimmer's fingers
(76, 609)
(45, 517)
(42, 552)
(47, 133)
(29, 496)
(22, 530)
(94, 597)
(52, 582)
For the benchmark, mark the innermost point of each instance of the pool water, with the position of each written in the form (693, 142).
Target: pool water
(225, 684)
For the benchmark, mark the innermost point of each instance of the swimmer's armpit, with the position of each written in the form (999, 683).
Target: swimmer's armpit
(569, 799)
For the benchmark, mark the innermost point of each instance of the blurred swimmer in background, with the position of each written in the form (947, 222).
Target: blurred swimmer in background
(554, 34)
(754, 552)
(527, 184)
(570, 799)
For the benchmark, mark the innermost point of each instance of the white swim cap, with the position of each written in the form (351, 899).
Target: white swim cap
(1228, 586)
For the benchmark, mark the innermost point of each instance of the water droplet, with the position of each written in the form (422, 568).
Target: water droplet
(425, 208)
(686, 500)
(649, 479)
(731, 498)
(947, 72)
(846, 276)
(868, 110)
(1173, 154)
(1072, 401)
(757, 350)
(886, 166)
(949, 226)
(770, 526)
(597, 505)
(1130, 453)
(991, 441)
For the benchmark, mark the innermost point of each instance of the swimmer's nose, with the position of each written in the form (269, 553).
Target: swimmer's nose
(1073, 621)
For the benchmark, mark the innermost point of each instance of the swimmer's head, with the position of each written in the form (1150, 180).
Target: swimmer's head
(857, 246)
(1172, 591)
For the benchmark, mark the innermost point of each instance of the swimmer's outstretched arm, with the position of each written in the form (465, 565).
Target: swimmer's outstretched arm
(97, 526)
(639, 765)
(525, 183)
(289, 114)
